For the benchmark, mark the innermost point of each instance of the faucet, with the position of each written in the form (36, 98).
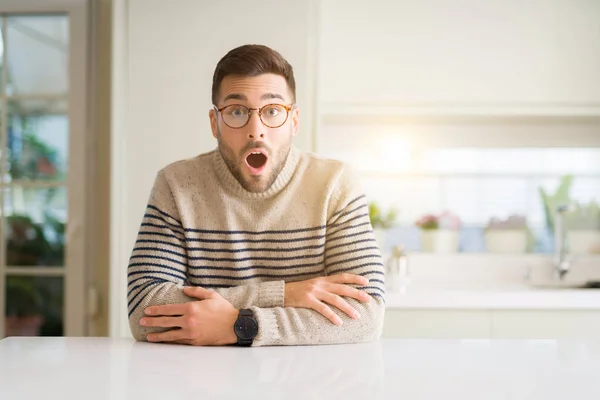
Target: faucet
(562, 264)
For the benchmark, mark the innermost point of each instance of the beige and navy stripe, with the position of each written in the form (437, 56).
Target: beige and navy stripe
(165, 251)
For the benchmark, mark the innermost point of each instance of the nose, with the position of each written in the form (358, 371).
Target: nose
(255, 126)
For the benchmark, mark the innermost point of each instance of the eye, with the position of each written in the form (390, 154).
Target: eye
(237, 111)
(272, 111)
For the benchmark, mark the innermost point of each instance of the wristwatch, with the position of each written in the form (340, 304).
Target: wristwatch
(245, 327)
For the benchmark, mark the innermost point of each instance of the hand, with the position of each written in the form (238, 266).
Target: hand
(314, 293)
(207, 322)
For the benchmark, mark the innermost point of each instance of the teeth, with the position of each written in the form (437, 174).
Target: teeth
(256, 152)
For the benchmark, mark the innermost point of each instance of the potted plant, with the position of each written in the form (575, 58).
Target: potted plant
(582, 223)
(508, 236)
(551, 202)
(381, 222)
(33, 307)
(439, 233)
(24, 307)
(26, 242)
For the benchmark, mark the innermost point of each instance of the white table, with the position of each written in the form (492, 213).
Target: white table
(102, 368)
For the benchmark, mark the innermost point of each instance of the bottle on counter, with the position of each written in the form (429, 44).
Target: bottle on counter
(397, 274)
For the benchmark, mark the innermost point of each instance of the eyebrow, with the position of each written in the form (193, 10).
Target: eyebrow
(266, 96)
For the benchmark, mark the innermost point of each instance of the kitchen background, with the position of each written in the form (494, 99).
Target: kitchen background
(468, 123)
(471, 109)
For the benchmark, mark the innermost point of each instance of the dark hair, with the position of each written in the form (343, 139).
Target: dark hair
(252, 60)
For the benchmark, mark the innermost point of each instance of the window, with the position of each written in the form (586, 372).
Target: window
(42, 144)
(401, 168)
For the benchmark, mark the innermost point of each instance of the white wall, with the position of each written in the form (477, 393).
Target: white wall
(173, 51)
(164, 57)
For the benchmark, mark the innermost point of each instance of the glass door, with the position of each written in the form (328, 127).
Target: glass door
(42, 172)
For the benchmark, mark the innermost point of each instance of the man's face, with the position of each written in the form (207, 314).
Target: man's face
(255, 154)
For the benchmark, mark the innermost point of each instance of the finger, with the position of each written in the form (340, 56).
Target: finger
(346, 278)
(340, 303)
(327, 312)
(348, 291)
(167, 309)
(168, 336)
(198, 292)
(162, 322)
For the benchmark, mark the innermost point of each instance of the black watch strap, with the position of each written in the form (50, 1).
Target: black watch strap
(246, 327)
(246, 313)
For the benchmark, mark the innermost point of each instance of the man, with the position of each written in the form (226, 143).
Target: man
(255, 243)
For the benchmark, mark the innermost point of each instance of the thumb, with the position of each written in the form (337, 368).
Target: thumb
(198, 292)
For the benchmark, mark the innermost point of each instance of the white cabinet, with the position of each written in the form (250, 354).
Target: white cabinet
(497, 324)
(550, 324)
(434, 53)
(442, 324)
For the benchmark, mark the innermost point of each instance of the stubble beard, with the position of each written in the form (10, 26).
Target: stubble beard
(253, 183)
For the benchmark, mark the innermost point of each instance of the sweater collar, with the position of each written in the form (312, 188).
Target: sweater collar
(230, 182)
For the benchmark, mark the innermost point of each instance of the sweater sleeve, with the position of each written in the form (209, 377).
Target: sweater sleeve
(350, 247)
(158, 265)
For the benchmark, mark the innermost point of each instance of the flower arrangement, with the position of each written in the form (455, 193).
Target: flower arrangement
(439, 233)
(428, 222)
(445, 220)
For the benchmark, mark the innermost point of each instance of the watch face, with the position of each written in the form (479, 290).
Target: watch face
(246, 327)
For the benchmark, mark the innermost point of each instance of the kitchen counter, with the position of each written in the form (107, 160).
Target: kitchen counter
(103, 368)
(494, 282)
(507, 297)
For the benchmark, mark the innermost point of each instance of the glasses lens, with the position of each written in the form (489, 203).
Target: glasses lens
(235, 115)
(273, 115)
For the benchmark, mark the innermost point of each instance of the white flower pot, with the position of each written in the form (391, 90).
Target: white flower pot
(439, 240)
(506, 241)
(584, 241)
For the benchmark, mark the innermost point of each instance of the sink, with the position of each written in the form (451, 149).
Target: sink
(582, 275)
(566, 285)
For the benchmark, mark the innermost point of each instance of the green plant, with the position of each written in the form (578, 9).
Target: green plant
(24, 298)
(34, 306)
(583, 216)
(559, 198)
(30, 157)
(378, 219)
(27, 243)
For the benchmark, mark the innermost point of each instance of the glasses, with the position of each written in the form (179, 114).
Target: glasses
(271, 115)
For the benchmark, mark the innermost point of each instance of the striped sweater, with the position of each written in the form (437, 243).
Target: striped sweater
(201, 228)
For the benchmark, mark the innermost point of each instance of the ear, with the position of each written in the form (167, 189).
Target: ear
(214, 122)
(295, 120)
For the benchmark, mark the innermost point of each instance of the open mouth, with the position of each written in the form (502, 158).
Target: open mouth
(256, 160)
